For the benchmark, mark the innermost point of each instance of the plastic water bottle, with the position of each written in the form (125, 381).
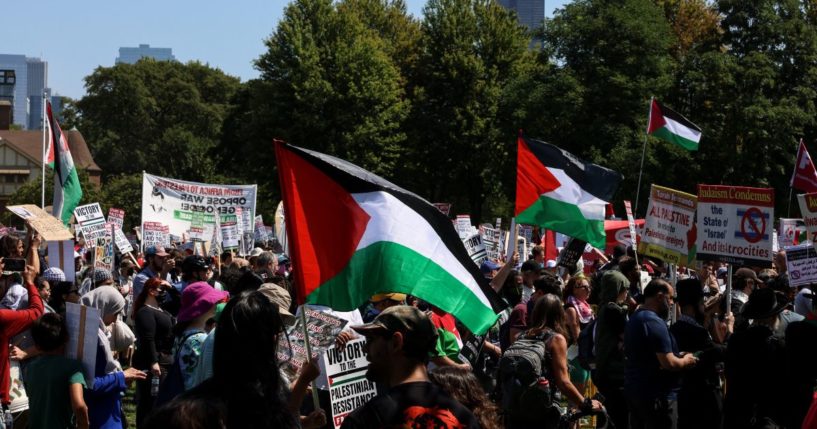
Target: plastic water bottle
(543, 384)
(8, 419)
(154, 386)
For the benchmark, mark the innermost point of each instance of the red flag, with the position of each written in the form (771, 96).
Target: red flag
(549, 242)
(805, 175)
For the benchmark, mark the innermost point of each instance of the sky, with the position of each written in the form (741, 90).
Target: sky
(81, 35)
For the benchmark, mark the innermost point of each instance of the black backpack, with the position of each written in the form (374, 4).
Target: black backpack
(587, 343)
(524, 381)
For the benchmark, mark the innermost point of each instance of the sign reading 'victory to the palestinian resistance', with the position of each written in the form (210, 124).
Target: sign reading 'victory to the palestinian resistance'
(808, 208)
(735, 224)
(346, 377)
(669, 228)
(173, 202)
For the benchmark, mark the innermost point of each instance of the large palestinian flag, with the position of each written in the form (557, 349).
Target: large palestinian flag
(67, 191)
(353, 234)
(558, 191)
(673, 127)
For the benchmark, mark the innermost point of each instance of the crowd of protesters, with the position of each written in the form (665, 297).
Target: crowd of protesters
(194, 340)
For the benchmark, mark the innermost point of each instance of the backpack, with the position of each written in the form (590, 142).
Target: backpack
(173, 384)
(587, 346)
(521, 368)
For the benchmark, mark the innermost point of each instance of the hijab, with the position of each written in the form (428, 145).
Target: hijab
(107, 300)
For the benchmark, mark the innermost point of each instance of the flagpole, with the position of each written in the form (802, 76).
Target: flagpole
(315, 400)
(42, 185)
(788, 210)
(643, 153)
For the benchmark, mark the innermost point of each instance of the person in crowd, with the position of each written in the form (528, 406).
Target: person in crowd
(199, 301)
(154, 336)
(245, 391)
(608, 374)
(578, 316)
(803, 305)
(743, 284)
(123, 279)
(630, 268)
(653, 361)
(97, 277)
(462, 385)
(700, 399)
(398, 344)
(708, 278)
(253, 257)
(756, 392)
(54, 382)
(519, 317)
(157, 264)
(449, 341)
(381, 302)
(489, 269)
(801, 351)
(62, 292)
(266, 265)
(194, 269)
(44, 287)
(538, 256)
(104, 396)
(530, 273)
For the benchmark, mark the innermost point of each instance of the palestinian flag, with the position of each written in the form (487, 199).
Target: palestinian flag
(353, 234)
(558, 191)
(673, 127)
(67, 192)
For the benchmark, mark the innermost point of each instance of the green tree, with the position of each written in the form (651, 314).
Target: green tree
(470, 51)
(163, 117)
(31, 191)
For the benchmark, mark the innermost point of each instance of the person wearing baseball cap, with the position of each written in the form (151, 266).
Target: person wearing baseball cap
(199, 301)
(195, 268)
(398, 344)
(157, 264)
(381, 302)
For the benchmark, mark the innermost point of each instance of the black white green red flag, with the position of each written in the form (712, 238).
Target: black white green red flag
(353, 234)
(673, 127)
(67, 191)
(557, 190)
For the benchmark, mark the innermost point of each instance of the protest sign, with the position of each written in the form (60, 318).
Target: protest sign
(116, 217)
(247, 226)
(792, 232)
(444, 208)
(476, 248)
(801, 262)
(490, 237)
(631, 224)
(571, 253)
(279, 227)
(463, 225)
(229, 235)
(346, 375)
(260, 230)
(91, 222)
(808, 209)
(526, 232)
(196, 231)
(670, 218)
(103, 250)
(61, 255)
(49, 227)
(471, 348)
(522, 248)
(153, 234)
(735, 224)
(82, 324)
(323, 328)
(172, 202)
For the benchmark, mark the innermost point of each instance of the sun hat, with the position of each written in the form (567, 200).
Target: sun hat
(198, 298)
(399, 297)
(53, 275)
(280, 297)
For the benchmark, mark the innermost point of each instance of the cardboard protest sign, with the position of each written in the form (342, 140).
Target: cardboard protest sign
(323, 329)
(92, 223)
(444, 208)
(103, 250)
(346, 374)
(734, 224)
(279, 227)
(153, 234)
(670, 218)
(476, 248)
(571, 253)
(490, 237)
(526, 232)
(631, 224)
(801, 262)
(471, 348)
(522, 248)
(247, 233)
(792, 232)
(172, 202)
(808, 209)
(61, 255)
(49, 227)
(82, 323)
(116, 217)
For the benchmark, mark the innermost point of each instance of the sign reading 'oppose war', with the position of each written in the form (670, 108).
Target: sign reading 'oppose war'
(173, 202)
(735, 224)
(669, 228)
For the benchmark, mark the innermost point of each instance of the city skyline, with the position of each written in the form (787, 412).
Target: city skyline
(226, 38)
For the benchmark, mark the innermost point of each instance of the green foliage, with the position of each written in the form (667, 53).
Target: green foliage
(163, 117)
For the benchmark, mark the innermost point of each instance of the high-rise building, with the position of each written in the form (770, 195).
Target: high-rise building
(132, 55)
(22, 83)
(529, 13)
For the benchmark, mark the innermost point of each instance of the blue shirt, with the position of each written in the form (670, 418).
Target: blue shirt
(646, 335)
(104, 397)
(141, 278)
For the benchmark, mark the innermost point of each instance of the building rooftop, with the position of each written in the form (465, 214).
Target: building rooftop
(30, 144)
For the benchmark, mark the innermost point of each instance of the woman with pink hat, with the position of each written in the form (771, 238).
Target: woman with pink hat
(199, 301)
